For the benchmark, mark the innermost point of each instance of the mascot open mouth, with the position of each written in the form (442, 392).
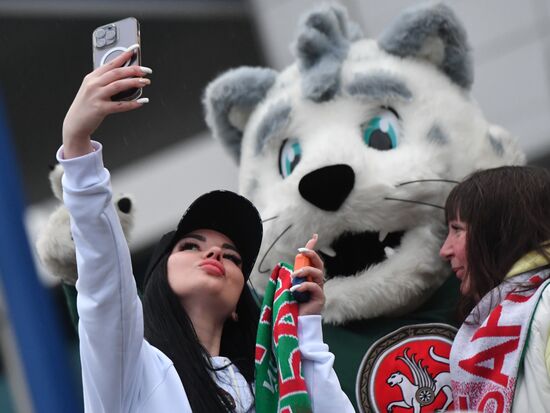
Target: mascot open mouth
(354, 252)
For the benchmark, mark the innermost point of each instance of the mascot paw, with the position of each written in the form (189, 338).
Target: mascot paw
(338, 309)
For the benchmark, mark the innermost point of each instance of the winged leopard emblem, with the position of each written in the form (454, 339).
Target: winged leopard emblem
(424, 388)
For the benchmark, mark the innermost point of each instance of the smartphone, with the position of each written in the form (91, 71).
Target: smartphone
(111, 40)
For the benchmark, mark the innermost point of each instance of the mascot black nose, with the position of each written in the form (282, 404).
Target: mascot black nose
(327, 188)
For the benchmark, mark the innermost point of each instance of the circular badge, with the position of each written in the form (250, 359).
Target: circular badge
(407, 369)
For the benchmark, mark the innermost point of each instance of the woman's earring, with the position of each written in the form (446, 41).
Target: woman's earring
(234, 316)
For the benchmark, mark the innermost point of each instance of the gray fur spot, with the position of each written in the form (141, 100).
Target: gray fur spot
(496, 145)
(437, 136)
(380, 87)
(251, 188)
(276, 119)
(322, 83)
(237, 90)
(435, 34)
(322, 45)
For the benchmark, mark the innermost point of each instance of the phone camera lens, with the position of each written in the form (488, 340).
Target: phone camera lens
(99, 33)
(110, 34)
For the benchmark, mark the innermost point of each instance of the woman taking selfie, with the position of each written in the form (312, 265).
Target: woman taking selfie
(498, 245)
(190, 346)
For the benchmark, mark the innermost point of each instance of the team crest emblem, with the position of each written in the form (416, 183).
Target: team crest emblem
(407, 371)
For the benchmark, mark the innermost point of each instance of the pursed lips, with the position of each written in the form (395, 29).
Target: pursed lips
(212, 267)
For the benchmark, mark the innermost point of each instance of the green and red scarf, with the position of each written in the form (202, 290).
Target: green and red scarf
(280, 385)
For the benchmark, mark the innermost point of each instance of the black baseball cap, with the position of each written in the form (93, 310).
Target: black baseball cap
(224, 211)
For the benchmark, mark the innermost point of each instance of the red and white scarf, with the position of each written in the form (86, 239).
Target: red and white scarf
(486, 356)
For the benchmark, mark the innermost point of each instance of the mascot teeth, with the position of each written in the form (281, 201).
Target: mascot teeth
(351, 253)
(328, 251)
(389, 251)
(382, 236)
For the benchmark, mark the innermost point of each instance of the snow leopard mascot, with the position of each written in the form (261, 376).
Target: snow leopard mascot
(361, 140)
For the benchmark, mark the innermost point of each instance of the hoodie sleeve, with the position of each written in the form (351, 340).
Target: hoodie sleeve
(111, 318)
(322, 383)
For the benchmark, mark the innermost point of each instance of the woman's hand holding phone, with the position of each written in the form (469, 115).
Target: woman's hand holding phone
(93, 101)
(314, 274)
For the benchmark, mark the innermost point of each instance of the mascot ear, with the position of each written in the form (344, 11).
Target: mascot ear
(321, 46)
(231, 98)
(505, 146)
(55, 181)
(432, 33)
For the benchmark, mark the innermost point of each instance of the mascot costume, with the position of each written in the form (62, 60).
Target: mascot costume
(360, 141)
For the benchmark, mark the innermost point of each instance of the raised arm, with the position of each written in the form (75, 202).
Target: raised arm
(111, 321)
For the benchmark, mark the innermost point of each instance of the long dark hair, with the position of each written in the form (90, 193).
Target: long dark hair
(168, 328)
(506, 212)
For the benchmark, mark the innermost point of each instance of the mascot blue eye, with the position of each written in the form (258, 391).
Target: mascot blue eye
(289, 156)
(381, 132)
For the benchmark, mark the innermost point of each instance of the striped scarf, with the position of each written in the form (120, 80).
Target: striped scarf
(280, 385)
(486, 357)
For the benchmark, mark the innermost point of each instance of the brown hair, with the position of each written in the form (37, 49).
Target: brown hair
(507, 213)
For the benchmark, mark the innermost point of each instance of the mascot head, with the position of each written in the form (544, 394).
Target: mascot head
(55, 246)
(359, 140)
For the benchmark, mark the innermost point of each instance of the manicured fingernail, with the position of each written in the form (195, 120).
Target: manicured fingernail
(144, 80)
(133, 47)
(142, 100)
(295, 287)
(297, 273)
(315, 236)
(304, 250)
(146, 70)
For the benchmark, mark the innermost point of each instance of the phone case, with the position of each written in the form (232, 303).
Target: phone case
(112, 39)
